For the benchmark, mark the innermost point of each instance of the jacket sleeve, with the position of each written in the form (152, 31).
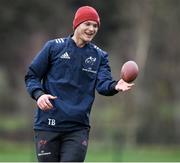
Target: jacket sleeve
(37, 71)
(105, 85)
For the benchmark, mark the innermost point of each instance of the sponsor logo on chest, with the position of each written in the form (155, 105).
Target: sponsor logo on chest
(89, 62)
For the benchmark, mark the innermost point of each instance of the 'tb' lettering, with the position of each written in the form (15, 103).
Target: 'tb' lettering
(51, 122)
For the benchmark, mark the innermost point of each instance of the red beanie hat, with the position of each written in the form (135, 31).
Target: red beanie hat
(85, 13)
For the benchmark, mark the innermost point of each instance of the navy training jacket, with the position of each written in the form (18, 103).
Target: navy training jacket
(72, 74)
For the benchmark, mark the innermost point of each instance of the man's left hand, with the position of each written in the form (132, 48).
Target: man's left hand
(123, 86)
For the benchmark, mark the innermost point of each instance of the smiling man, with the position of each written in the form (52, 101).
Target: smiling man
(62, 78)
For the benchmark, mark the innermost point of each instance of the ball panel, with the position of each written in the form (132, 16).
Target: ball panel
(129, 71)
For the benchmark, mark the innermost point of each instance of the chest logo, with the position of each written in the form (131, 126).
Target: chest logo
(65, 56)
(89, 64)
(90, 60)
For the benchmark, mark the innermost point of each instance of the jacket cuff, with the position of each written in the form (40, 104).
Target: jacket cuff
(113, 90)
(37, 93)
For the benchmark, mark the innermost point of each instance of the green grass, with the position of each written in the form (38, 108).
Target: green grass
(110, 153)
(20, 152)
(16, 152)
(152, 154)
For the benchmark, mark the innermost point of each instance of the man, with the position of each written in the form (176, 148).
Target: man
(63, 78)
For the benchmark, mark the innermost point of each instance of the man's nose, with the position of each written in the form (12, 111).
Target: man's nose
(91, 27)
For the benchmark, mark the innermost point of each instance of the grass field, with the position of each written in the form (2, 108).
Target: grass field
(19, 152)
(138, 154)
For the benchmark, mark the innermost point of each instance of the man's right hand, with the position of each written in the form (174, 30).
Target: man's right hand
(44, 103)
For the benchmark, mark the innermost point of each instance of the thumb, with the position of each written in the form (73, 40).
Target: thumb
(52, 97)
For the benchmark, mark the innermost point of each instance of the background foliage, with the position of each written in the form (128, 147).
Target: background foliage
(146, 31)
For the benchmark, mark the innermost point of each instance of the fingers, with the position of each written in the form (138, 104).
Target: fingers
(44, 102)
(48, 104)
(123, 86)
(52, 97)
(130, 84)
(128, 87)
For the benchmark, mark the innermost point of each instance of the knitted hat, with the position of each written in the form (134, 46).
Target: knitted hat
(85, 13)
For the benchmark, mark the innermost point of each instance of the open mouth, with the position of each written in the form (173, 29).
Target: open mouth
(89, 35)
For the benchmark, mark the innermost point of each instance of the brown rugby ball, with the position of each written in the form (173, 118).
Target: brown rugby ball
(129, 71)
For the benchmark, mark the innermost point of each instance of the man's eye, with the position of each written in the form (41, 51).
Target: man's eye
(95, 26)
(88, 24)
